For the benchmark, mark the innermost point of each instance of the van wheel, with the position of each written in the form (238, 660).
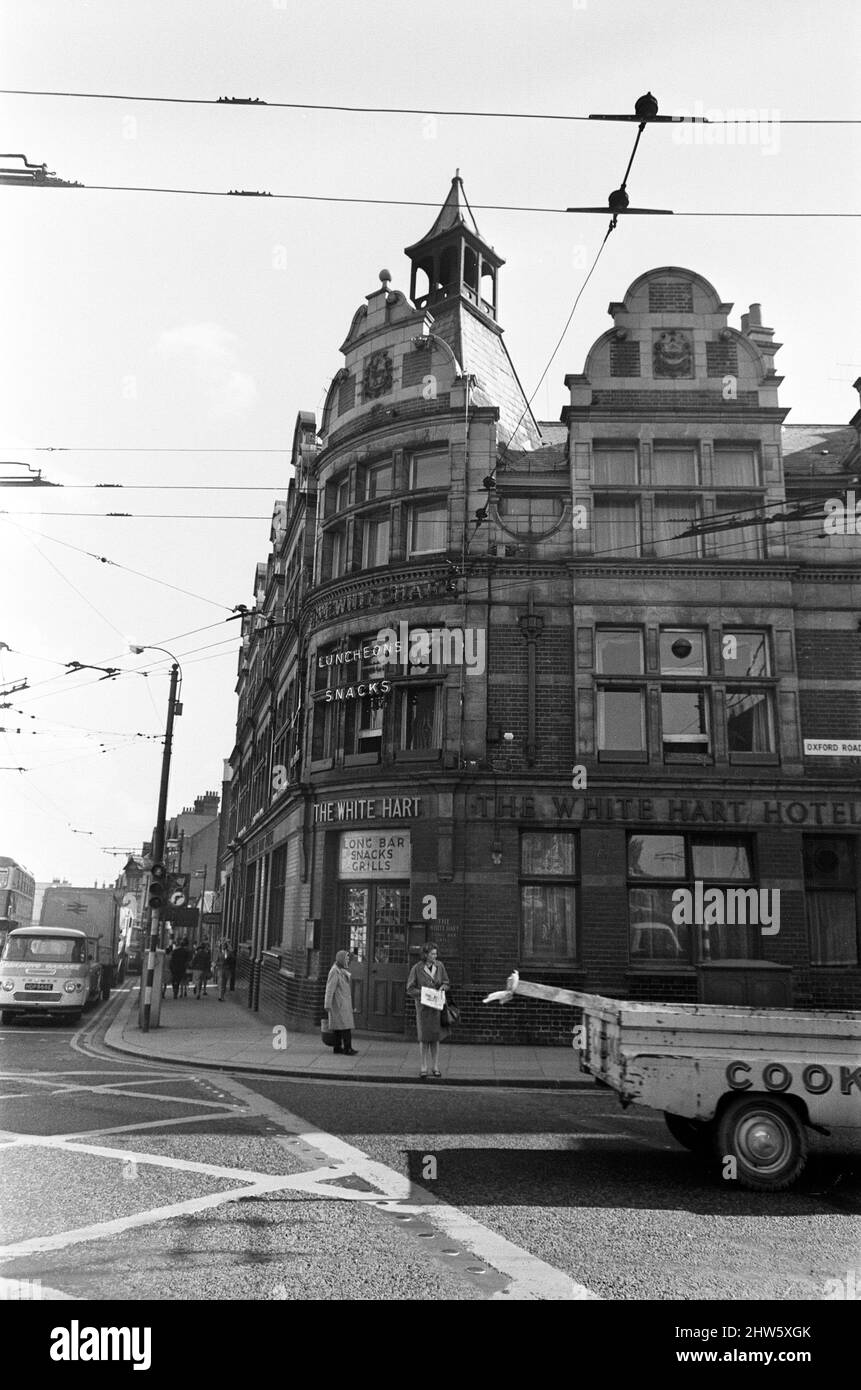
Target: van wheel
(695, 1135)
(766, 1138)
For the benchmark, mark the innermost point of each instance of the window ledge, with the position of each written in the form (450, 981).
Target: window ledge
(660, 968)
(361, 759)
(418, 755)
(612, 756)
(555, 967)
(754, 759)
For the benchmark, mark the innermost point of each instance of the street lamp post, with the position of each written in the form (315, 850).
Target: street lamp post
(173, 708)
(198, 873)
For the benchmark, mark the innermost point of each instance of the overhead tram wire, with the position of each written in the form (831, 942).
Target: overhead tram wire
(395, 202)
(115, 564)
(242, 102)
(614, 205)
(138, 516)
(174, 637)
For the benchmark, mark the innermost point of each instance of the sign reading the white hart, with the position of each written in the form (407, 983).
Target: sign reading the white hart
(374, 854)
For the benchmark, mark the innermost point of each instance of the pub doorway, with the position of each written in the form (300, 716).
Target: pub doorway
(374, 920)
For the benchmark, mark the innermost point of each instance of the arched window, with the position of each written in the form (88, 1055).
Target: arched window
(488, 288)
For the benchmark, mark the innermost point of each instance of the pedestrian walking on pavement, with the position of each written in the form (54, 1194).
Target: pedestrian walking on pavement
(201, 968)
(428, 973)
(339, 1002)
(179, 958)
(224, 961)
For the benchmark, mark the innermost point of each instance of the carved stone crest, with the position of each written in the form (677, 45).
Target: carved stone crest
(377, 377)
(673, 353)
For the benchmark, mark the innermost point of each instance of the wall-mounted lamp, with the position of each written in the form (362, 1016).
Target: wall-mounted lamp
(509, 738)
(496, 852)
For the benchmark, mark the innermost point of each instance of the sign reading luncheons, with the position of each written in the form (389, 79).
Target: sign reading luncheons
(374, 854)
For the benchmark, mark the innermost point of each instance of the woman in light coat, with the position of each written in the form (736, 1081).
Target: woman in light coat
(430, 972)
(339, 1002)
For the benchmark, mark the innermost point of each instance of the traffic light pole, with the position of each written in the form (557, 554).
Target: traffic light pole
(158, 848)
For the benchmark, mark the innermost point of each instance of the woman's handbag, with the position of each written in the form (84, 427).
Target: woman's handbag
(327, 1036)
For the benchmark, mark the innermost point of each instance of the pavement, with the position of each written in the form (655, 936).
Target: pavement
(228, 1036)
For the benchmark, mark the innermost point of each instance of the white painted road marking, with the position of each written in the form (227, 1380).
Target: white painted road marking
(530, 1278)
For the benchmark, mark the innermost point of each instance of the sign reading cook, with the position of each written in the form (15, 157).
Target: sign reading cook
(378, 854)
(815, 1078)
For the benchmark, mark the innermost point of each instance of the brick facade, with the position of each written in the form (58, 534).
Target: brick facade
(465, 777)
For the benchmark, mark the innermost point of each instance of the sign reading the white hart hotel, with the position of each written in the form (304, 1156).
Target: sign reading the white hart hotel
(374, 854)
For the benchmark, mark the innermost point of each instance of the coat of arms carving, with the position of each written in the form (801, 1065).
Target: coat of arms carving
(377, 378)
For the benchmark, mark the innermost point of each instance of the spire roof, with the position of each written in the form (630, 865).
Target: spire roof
(452, 215)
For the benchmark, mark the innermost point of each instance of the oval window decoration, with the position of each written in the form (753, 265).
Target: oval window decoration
(530, 514)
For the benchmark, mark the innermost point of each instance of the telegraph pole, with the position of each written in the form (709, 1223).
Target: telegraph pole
(158, 848)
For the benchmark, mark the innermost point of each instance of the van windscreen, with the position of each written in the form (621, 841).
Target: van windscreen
(46, 949)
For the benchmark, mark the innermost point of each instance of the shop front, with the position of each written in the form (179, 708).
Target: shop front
(366, 847)
(686, 896)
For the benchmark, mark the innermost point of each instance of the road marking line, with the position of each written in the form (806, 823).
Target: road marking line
(142, 1124)
(212, 1170)
(103, 1230)
(531, 1278)
(147, 1095)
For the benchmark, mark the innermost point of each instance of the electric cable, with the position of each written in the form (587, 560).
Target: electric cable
(136, 516)
(115, 564)
(389, 202)
(396, 110)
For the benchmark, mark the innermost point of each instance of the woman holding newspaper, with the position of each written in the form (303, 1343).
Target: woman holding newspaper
(427, 984)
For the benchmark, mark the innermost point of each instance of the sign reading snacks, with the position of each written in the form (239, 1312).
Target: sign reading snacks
(375, 854)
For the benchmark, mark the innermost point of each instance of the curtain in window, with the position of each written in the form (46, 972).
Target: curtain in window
(621, 721)
(831, 927)
(617, 528)
(615, 466)
(743, 542)
(419, 718)
(675, 467)
(548, 916)
(428, 529)
(748, 721)
(376, 547)
(548, 852)
(673, 515)
(736, 468)
(721, 859)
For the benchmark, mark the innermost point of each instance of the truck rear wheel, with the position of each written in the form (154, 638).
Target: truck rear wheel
(766, 1138)
(692, 1134)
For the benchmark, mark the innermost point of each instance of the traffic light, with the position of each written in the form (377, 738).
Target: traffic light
(157, 886)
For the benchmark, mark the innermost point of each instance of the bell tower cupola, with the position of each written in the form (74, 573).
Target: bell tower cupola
(452, 261)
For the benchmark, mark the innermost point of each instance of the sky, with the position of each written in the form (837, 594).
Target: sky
(160, 339)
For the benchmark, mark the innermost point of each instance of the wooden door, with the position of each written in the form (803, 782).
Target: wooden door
(375, 917)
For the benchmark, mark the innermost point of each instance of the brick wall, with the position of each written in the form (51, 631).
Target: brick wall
(830, 713)
(828, 655)
(671, 297)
